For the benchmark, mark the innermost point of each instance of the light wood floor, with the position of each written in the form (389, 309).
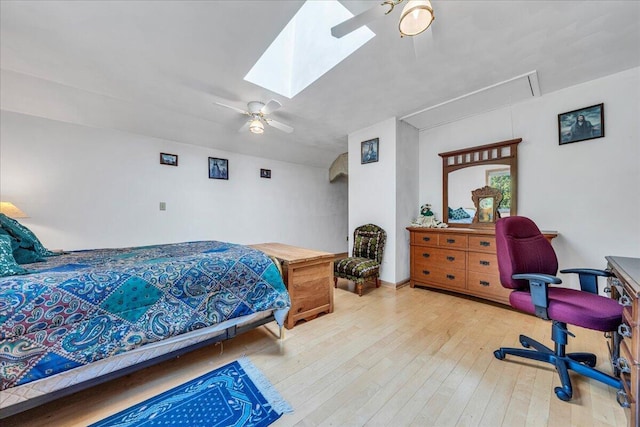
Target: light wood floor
(411, 357)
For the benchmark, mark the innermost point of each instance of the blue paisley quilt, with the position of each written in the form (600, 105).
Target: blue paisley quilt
(89, 305)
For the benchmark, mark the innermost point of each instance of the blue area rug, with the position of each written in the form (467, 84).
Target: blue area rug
(237, 394)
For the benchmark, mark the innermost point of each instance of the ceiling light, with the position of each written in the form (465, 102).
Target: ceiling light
(256, 126)
(416, 17)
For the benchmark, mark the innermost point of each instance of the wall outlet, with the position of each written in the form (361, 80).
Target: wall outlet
(163, 206)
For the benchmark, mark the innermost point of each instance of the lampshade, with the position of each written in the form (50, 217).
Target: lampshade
(256, 126)
(417, 16)
(11, 210)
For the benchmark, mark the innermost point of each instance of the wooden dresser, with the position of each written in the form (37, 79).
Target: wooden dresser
(460, 260)
(625, 287)
(308, 275)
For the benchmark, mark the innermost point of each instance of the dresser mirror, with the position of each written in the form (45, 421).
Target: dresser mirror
(471, 169)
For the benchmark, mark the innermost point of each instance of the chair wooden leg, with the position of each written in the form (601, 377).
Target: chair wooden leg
(377, 282)
(335, 281)
(359, 288)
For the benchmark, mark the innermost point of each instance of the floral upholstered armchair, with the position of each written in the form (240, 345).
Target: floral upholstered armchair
(364, 263)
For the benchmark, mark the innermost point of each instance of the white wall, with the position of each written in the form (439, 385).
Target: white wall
(407, 207)
(86, 187)
(588, 191)
(372, 189)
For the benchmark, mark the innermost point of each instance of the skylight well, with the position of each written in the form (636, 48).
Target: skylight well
(305, 49)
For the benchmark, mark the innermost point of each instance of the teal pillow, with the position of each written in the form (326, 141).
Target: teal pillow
(25, 236)
(8, 265)
(458, 214)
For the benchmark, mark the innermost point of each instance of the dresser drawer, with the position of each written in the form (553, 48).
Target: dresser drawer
(424, 239)
(482, 243)
(439, 258)
(629, 374)
(631, 335)
(449, 240)
(486, 284)
(483, 262)
(452, 278)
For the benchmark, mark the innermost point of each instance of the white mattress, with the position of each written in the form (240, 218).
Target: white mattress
(78, 375)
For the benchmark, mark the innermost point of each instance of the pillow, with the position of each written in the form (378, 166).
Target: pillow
(25, 236)
(8, 265)
(458, 214)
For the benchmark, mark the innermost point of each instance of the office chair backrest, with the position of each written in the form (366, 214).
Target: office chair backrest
(522, 248)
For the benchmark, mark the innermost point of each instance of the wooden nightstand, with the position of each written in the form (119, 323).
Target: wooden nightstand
(308, 275)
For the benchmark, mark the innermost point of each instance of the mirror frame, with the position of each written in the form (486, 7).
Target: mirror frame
(499, 153)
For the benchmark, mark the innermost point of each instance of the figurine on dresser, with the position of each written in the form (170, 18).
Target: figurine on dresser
(427, 219)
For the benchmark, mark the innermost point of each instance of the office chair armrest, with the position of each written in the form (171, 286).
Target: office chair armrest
(588, 278)
(539, 289)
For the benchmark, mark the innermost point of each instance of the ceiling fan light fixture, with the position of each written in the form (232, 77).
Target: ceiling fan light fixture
(416, 17)
(256, 126)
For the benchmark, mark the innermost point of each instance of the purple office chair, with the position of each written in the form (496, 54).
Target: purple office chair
(528, 265)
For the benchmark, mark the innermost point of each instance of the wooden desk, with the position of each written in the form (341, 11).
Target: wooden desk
(308, 275)
(625, 287)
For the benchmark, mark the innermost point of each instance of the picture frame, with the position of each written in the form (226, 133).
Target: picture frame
(168, 159)
(265, 173)
(218, 168)
(581, 125)
(486, 201)
(369, 151)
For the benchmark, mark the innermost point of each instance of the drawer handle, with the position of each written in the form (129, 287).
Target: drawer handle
(451, 277)
(426, 255)
(623, 399)
(451, 240)
(484, 283)
(426, 239)
(485, 243)
(625, 301)
(451, 258)
(485, 263)
(623, 365)
(624, 330)
(426, 272)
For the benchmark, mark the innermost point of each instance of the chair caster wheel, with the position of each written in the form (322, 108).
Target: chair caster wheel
(562, 394)
(499, 354)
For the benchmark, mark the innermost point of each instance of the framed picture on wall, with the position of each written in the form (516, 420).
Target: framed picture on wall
(265, 173)
(169, 159)
(218, 168)
(580, 125)
(369, 151)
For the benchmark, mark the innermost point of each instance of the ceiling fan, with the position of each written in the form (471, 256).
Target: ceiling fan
(257, 112)
(416, 17)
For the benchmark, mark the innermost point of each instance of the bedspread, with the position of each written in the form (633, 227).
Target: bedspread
(88, 305)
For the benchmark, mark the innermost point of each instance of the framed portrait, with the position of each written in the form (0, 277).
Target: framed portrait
(265, 173)
(218, 168)
(580, 125)
(486, 201)
(169, 159)
(369, 151)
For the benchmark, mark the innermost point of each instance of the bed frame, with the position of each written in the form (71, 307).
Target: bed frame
(225, 334)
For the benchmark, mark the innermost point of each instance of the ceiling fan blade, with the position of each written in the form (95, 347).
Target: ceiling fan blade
(352, 24)
(271, 106)
(245, 127)
(231, 107)
(280, 126)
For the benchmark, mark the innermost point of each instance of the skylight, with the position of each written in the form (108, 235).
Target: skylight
(305, 49)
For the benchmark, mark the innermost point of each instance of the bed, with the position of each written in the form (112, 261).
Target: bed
(85, 317)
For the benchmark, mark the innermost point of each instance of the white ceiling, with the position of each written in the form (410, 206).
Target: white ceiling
(173, 59)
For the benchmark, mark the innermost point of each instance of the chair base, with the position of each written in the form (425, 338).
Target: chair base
(359, 284)
(582, 363)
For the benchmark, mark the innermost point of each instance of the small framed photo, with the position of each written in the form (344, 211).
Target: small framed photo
(265, 173)
(580, 125)
(218, 168)
(369, 151)
(169, 159)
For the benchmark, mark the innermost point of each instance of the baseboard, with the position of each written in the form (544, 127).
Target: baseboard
(396, 286)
